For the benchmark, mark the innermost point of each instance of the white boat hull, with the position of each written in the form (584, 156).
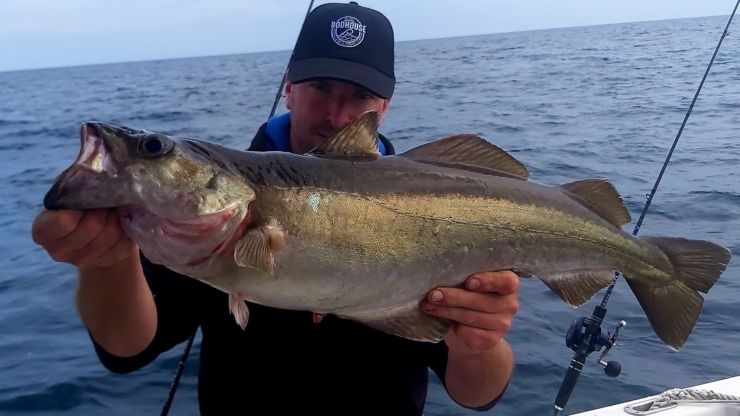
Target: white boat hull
(730, 386)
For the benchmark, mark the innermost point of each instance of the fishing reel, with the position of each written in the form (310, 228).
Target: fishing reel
(584, 337)
(589, 328)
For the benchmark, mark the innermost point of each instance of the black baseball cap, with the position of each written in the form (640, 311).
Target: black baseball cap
(348, 42)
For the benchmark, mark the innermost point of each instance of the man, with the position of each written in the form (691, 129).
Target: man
(285, 361)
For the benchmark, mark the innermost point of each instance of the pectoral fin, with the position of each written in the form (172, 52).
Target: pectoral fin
(408, 322)
(255, 248)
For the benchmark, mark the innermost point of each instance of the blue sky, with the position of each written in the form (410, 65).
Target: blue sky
(51, 33)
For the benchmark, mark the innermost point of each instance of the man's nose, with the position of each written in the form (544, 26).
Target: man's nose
(340, 114)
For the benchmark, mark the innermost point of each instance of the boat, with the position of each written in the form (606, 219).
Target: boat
(717, 398)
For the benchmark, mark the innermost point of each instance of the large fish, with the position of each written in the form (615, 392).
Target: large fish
(342, 231)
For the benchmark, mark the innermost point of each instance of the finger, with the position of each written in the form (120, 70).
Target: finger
(317, 317)
(49, 226)
(482, 320)
(73, 247)
(89, 228)
(483, 302)
(99, 249)
(123, 249)
(505, 282)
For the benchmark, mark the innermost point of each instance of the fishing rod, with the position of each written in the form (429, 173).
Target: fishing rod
(279, 92)
(189, 344)
(178, 374)
(584, 335)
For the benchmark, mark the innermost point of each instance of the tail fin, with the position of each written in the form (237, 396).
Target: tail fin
(673, 309)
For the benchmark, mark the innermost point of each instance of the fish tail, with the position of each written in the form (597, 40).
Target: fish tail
(674, 308)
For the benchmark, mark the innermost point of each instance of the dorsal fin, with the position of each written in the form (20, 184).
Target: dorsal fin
(600, 196)
(358, 138)
(469, 152)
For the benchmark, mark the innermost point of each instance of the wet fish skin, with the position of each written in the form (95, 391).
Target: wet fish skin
(365, 238)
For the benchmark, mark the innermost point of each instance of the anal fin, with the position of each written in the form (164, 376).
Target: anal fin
(408, 321)
(577, 287)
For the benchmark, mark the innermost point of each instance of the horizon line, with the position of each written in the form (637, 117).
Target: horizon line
(173, 58)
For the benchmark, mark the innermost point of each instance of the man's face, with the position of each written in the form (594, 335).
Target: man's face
(320, 107)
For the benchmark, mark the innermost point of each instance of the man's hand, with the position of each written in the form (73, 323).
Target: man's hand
(113, 297)
(479, 361)
(87, 239)
(482, 312)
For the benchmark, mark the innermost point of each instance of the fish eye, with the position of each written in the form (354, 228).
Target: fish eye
(154, 145)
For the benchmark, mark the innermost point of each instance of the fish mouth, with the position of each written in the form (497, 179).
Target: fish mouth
(94, 155)
(94, 164)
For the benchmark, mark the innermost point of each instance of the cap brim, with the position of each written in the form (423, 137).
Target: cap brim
(311, 68)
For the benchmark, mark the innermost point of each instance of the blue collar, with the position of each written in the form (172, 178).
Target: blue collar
(277, 133)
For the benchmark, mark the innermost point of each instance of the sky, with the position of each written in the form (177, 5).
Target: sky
(54, 33)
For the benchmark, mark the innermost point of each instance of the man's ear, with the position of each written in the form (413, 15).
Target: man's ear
(288, 96)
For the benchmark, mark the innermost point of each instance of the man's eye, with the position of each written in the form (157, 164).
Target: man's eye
(320, 86)
(363, 94)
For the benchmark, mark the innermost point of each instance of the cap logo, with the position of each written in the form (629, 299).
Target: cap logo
(347, 32)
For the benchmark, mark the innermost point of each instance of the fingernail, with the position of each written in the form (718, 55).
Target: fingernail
(436, 296)
(473, 284)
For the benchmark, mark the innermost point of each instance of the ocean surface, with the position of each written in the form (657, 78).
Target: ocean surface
(601, 101)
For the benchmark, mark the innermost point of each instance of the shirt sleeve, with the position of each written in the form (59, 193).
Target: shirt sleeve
(179, 302)
(437, 358)
(259, 142)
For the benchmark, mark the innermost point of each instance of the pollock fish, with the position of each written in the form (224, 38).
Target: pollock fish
(343, 231)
